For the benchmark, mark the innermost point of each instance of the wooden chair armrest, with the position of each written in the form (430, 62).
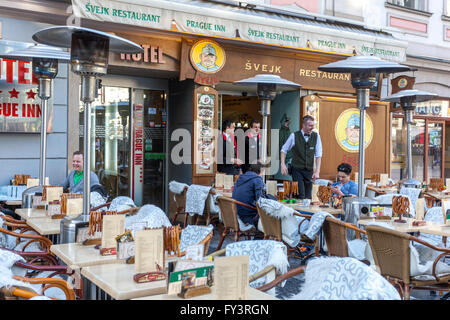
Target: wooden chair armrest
(281, 278)
(260, 274)
(45, 241)
(49, 283)
(11, 219)
(20, 293)
(217, 253)
(101, 206)
(306, 216)
(33, 256)
(130, 211)
(244, 204)
(56, 268)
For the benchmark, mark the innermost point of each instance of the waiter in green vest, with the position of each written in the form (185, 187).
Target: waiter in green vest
(306, 147)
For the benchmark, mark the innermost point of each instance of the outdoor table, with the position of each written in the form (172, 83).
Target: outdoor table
(78, 256)
(380, 190)
(115, 281)
(437, 197)
(26, 214)
(81, 256)
(314, 208)
(429, 227)
(253, 294)
(13, 202)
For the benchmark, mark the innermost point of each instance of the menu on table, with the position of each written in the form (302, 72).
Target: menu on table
(384, 179)
(149, 250)
(53, 193)
(112, 226)
(219, 181)
(74, 206)
(228, 183)
(231, 278)
(272, 187)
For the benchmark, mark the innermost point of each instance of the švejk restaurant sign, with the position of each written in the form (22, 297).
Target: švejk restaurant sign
(20, 109)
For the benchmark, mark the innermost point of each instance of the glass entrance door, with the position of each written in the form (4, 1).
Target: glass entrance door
(110, 139)
(435, 149)
(149, 152)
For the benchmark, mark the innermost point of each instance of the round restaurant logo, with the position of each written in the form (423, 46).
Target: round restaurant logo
(347, 130)
(402, 83)
(207, 56)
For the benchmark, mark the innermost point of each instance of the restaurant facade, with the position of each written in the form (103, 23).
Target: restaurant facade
(148, 100)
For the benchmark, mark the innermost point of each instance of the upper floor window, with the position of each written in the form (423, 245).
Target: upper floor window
(447, 8)
(411, 4)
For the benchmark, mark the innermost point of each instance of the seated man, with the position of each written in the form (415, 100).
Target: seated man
(74, 181)
(344, 187)
(247, 189)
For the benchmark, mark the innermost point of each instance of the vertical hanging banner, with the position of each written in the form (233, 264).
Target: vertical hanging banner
(138, 151)
(20, 106)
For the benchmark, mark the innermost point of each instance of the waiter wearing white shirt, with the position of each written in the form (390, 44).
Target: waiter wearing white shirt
(306, 147)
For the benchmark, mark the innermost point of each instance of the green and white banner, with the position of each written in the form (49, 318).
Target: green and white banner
(220, 21)
(122, 12)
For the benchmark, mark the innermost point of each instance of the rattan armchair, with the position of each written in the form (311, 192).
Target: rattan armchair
(335, 234)
(228, 210)
(392, 255)
(273, 230)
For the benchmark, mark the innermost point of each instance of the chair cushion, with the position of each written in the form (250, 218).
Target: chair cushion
(154, 216)
(243, 227)
(262, 253)
(334, 278)
(356, 249)
(193, 234)
(8, 258)
(315, 224)
(97, 200)
(121, 203)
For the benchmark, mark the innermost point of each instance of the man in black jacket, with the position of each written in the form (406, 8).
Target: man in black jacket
(230, 161)
(252, 145)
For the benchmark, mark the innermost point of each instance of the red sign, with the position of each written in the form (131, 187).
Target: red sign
(20, 109)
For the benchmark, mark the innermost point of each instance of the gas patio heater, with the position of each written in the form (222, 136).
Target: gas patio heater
(363, 71)
(45, 61)
(267, 86)
(89, 59)
(408, 100)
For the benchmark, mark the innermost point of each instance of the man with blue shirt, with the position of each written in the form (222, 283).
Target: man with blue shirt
(306, 147)
(344, 187)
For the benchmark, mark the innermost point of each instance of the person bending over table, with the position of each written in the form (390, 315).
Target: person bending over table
(306, 147)
(247, 189)
(74, 181)
(344, 187)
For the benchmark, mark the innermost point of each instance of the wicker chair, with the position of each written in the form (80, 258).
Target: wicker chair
(230, 221)
(272, 230)
(391, 252)
(335, 234)
(180, 203)
(14, 293)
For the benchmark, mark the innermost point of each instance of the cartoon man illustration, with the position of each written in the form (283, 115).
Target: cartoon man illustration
(352, 132)
(208, 59)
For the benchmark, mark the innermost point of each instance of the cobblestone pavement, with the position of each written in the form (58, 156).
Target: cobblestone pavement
(293, 285)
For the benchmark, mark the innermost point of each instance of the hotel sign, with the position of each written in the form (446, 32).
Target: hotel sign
(20, 106)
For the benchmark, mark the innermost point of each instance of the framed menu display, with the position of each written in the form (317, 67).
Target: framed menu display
(205, 126)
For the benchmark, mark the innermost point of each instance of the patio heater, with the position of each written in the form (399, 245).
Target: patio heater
(45, 67)
(363, 71)
(89, 59)
(267, 86)
(407, 100)
(89, 51)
